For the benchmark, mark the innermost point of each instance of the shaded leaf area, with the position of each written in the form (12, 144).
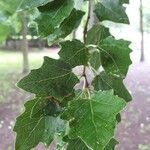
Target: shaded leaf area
(67, 26)
(76, 144)
(9, 7)
(52, 15)
(118, 117)
(112, 11)
(28, 4)
(96, 34)
(4, 31)
(95, 60)
(74, 52)
(112, 54)
(124, 1)
(111, 145)
(106, 82)
(115, 56)
(96, 116)
(54, 78)
(37, 124)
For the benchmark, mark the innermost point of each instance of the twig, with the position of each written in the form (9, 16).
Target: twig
(87, 22)
(86, 84)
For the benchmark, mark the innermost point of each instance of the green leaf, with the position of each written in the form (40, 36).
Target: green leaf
(94, 120)
(115, 56)
(54, 79)
(124, 1)
(76, 144)
(111, 145)
(106, 82)
(67, 26)
(9, 6)
(36, 125)
(52, 15)
(118, 118)
(95, 60)
(28, 4)
(4, 32)
(111, 10)
(46, 107)
(96, 34)
(74, 52)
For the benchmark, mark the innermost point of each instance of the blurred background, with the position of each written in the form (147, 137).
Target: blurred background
(21, 50)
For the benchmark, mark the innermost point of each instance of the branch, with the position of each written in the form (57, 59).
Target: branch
(86, 84)
(84, 38)
(87, 22)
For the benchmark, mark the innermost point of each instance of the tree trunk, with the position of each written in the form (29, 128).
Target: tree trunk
(24, 43)
(142, 31)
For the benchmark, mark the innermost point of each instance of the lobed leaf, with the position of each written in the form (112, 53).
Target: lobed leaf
(111, 10)
(28, 4)
(95, 59)
(115, 56)
(96, 34)
(54, 78)
(52, 15)
(107, 82)
(96, 116)
(74, 52)
(67, 26)
(36, 125)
